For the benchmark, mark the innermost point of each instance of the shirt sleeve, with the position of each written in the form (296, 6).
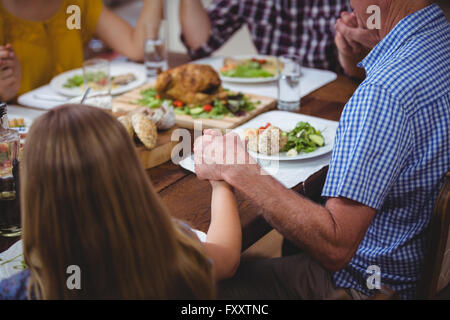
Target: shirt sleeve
(225, 20)
(372, 145)
(91, 15)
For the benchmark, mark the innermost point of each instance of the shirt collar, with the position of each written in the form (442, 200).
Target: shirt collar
(399, 34)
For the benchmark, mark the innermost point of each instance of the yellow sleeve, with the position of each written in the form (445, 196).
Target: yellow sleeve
(91, 15)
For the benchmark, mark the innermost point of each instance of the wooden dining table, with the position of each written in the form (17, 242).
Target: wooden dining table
(189, 199)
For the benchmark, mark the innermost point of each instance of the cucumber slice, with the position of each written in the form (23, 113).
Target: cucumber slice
(180, 112)
(317, 140)
(195, 111)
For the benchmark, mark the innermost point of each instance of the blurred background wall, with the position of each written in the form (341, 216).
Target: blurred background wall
(240, 43)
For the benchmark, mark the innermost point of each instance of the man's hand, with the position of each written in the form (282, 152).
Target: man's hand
(353, 43)
(352, 31)
(216, 154)
(10, 73)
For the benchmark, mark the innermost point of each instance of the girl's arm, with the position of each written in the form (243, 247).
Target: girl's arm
(123, 38)
(224, 237)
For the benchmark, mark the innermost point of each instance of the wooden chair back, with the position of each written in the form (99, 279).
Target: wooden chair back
(436, 271)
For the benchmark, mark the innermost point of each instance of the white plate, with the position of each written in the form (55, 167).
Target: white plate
(217, 63)
(117, 68)
(287, 121)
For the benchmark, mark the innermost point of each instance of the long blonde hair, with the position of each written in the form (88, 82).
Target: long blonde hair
(87, 201)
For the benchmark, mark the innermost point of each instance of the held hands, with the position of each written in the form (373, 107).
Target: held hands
(353, 42)
(10, 73)
(216, 155)
(351, 37)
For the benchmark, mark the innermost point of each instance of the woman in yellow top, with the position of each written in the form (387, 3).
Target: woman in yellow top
(37, 44)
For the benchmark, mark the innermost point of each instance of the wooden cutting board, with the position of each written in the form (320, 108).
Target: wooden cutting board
(127, 102)
(160, 154)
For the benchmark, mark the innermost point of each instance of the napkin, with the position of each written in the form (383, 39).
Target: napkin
(288, 173)
(311, 80)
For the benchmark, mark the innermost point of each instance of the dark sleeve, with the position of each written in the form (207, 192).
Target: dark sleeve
(225, 20)
(15, 287)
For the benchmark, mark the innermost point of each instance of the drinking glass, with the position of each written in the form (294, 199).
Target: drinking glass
(96, 73)
(9, 178)
(155, 48)
(289, 74)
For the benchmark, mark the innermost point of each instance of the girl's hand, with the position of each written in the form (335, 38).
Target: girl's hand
(224, 238)
(10, 73)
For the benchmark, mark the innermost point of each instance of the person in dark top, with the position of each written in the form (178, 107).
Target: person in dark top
(304, 28)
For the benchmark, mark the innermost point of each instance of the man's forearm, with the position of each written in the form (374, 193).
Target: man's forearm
(307, 224)
(195, 23)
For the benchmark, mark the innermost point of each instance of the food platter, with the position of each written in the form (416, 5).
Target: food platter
(126, 102)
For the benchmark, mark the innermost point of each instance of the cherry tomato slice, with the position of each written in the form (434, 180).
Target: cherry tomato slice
(207, 107)
(260, 61)
(261, 129)
(178, 104)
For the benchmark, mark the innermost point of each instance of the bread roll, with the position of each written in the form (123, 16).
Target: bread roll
(145, 129)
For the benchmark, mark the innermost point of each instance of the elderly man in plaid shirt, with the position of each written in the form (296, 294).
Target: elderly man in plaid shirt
(304, 28)
(391, 153)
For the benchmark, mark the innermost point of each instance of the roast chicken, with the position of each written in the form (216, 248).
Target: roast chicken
(192, 84)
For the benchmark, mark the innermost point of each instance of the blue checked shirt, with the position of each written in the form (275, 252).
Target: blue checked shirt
(392, 149)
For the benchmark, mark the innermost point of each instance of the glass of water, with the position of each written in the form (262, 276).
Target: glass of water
(96, 73)
(156, 54)
(289, 74)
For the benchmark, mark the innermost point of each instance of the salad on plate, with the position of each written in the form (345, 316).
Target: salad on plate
(250, 68)
(271, 140)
